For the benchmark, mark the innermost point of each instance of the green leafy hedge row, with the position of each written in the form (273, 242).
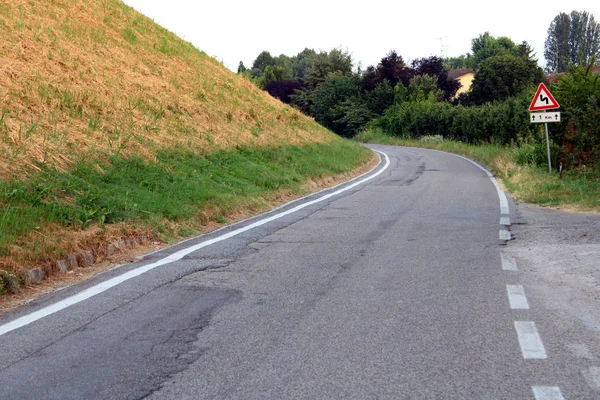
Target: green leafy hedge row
(498, 122)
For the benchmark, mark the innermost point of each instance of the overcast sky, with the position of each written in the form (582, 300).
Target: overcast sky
(234, 30)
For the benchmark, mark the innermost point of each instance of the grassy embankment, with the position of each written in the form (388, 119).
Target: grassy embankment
(576, 191)
(112, 127)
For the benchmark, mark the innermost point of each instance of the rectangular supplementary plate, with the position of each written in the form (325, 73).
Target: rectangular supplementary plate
(539, 118)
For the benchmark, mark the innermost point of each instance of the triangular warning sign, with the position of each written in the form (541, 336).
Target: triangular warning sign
(543, 100)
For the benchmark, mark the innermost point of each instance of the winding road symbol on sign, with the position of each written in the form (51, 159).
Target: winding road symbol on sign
(543, 100)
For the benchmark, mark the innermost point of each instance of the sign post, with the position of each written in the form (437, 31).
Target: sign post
(542, 101)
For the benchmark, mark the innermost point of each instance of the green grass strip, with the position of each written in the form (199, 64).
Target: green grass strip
(175, 187)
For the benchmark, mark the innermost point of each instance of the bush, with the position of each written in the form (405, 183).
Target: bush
(578, 93)
(498, 122)
(536, 154)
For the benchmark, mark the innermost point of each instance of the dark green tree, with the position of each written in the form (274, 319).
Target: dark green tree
(504, 76)
(485, 46)
(464, 62)
(434, 66)
(241, 68)
(333, 98)
(325, 63)
(302, 62)
(573, 39)
(263, 60)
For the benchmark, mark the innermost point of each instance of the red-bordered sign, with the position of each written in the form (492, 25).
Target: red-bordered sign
(543, 100)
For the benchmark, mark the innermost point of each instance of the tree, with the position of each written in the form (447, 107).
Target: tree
(325, 63)
(393, 68)
(504, 76)
(573, 39)
(302, 62)
(284, 89)
(464, 61)
(434, 66)
(263, 60)
(380, 98)
(486, 46)
(241, 68)
(424, 88)
(338, 88)
(579, 132)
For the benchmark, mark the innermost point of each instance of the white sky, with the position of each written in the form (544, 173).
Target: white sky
(234, 30)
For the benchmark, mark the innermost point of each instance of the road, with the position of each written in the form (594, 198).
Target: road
(399, 287)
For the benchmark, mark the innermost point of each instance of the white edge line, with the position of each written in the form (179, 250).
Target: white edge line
(529, 340)
(272, 210)
(504, 210)
(103, 286)
(547, 393)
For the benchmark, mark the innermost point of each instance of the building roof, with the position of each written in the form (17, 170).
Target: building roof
(554, 77)
(457, 73)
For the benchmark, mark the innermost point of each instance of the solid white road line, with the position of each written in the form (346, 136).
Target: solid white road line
(516, 297)
(508, 263)
(110, 283)
(505, 221)
(501, 195)
(547, 393)
(529, 340)
(504, 235)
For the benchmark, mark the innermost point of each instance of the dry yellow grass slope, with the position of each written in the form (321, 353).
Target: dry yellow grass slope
(94, 78)
(92, 82)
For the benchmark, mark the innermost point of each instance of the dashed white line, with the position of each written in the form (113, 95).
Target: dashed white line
(547, 393)
(504, 235)
(516, 297)
(592, 377)
(508, 263)
(529, 340)
(117, 280)
(505, 221)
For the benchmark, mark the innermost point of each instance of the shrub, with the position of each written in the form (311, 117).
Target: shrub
(498, 122)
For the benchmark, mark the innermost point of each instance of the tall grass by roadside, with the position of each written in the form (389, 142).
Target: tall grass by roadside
(174, 196)
(518, 168)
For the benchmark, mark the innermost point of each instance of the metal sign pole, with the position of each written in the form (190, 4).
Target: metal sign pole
(548, 147)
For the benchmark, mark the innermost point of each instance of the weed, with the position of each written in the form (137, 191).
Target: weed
(93, 124)
(256, 131)
(200, 96)
(129, 35)
(9, 282)
(431, 139)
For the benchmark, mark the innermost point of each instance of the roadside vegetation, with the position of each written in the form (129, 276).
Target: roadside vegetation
(113, 128)
(522, 169)
(419, 104)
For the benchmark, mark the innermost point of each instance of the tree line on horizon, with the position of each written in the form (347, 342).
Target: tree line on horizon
(326, 86)
(419, 98)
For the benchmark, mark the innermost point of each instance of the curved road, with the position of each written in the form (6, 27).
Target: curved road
(393, 289)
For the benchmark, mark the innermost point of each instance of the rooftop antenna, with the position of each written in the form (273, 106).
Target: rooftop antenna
(442, 47)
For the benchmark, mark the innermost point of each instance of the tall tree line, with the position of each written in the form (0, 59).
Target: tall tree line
(573, 39)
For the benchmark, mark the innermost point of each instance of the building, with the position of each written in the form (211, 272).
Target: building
(464, 76)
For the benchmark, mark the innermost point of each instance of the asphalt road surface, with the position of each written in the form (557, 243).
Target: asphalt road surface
(399, 287)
